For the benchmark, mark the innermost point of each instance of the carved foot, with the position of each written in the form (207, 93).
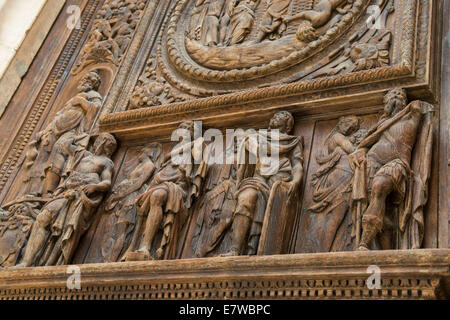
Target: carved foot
(19, 266)
(125, 256)
(342, 10)
(144, 251)
(159, 254)
(363, 248)
(140, 255)
(231, 253)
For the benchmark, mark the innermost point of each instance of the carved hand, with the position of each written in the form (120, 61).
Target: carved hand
(90, 189)
(286, 19)
(140, 199)
(70, 194)
(79, 101)
(357, 158)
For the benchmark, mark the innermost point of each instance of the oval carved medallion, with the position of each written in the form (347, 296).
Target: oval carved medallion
(219, 46)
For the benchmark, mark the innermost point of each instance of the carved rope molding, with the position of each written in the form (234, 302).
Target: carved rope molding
(149, 115)
(41, 103)
(422, 274)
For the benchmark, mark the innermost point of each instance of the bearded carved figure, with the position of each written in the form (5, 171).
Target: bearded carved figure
(68, 215)
(262, 188)
(46, 157)
(392, 169)
(165, 204)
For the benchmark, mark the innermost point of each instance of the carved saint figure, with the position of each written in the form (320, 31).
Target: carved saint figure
(69, 214)
(121, 203)
(256, 183)
(272, 23)
(211, 22)
(328, 222)
(45, 157)
(396, 154)
(164, 205)
(242, 19)
(215, 209)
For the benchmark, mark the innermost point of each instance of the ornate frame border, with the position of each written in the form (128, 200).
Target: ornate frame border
(418, 274)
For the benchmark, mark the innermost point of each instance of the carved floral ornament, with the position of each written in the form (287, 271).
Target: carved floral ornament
(216, 46)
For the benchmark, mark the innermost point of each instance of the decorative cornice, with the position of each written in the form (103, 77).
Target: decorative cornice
(418, 274)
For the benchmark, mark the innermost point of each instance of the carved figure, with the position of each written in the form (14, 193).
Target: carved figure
(152, 89)
(396, 154)
(316, 18)
(164, 205)
(197, 16)
(371, 55)
(210, 26)
(112, 33)
(211, 236)
(273, 23)
(328, 222)
(257, 184)
(121, 203)
(68, 215)
(15, 225)
(46, 158)
(242, 19)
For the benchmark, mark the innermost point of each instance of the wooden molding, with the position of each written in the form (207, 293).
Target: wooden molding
(418, 274)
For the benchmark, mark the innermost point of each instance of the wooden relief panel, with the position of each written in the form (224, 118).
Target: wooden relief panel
(245, 44)
(341, 91)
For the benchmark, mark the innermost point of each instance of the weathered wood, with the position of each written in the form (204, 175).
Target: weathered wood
(361, 110)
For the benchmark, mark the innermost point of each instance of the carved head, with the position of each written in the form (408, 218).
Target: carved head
(153, 151)
(90, 81)
(358, 136)
(365, 56)
(105, 145)
(348, 125)
(395, 100)
(306, 32)
(283, 121)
